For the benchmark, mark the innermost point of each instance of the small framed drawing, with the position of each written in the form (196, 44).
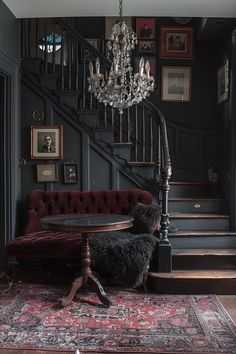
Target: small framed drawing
(147, 47)
(85, 55)
(70, 172)
(223, 82)
(153, 65)
(47, 172)
(47, 142)
(176, 42)
(176, 83)
(146, 28)
(111, 21)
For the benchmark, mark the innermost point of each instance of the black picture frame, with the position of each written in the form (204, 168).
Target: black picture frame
(70, 172)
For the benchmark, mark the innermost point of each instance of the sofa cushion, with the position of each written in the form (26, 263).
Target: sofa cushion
(146, 218)
(47, 244)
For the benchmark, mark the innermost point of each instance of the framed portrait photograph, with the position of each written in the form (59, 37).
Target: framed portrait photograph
(47, 142)
(153, 65)
(146, 28)
(111, 21)
(176, 83)
(146, 47)
(223, 82)
(176, 42)
(70, 172)
(47, 172)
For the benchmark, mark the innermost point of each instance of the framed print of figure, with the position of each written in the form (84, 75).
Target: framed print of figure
(47, 142)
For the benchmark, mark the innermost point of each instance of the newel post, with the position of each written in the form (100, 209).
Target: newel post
(164, 247)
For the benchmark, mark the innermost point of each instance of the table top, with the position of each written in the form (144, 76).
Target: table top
(86, 223)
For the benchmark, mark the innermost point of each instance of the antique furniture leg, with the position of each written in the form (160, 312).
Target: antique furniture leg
(86, 278)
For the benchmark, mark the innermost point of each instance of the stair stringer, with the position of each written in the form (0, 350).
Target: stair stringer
(119, 165)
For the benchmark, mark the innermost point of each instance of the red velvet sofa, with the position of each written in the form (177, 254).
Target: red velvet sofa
(39, 245)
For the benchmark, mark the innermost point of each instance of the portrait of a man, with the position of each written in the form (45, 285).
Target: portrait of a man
(176, 42)
(46, 142)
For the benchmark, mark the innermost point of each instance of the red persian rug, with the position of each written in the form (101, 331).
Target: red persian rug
(31, 317)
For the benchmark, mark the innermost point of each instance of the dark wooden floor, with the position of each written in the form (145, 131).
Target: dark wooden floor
(228, 302)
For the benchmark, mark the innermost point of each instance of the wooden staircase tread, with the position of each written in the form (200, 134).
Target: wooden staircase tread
(203, 233)
(204, 252)
(127, 143)
(141, 163)
(194, 199)
(190, 182)
(196, 274)
(177, 215)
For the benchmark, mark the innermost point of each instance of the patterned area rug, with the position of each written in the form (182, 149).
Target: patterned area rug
(31, 317)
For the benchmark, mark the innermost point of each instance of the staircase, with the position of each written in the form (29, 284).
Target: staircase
(203, 248)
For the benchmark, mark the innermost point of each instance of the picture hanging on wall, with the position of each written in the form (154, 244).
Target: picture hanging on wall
(223, 82)
(176, 83)
(70, 172)
(47, 172)
(146, 28)
(47, 142)
(176, 42)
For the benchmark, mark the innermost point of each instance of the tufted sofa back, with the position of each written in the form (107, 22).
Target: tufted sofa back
(42, 203)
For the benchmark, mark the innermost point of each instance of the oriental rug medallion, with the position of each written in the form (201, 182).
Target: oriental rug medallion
(31, 317)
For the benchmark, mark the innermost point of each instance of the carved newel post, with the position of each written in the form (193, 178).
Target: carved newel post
(164, 247)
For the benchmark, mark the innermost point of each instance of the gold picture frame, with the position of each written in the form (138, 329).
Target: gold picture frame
(46, 142)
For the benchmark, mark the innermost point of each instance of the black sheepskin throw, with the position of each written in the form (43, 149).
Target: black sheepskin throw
(122, 257)
(146, 218)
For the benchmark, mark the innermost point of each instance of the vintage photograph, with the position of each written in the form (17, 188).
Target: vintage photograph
(70, 172)
(47, 172)
(176, 84)
(223, 82)
(147, 47)
(111, 21)
(176, 42)
(47, 142)
(146, 28)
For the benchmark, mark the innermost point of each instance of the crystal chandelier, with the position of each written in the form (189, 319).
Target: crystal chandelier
(121, 88)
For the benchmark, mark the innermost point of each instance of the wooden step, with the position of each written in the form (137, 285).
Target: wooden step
(204, 259)
(202, 239)
(193, 282)
(190, 189)
(200, 221)
(196, 205)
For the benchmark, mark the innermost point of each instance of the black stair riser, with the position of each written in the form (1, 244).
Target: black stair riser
(190, 190)
(196, 206)
(200, 224)
(203, 262)
(188, 242)
(192, 286)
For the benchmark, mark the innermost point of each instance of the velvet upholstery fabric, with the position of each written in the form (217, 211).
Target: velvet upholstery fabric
(41, 203)
(36, 243)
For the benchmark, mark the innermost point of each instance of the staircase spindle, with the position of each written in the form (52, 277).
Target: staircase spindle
(77, 66)
(69, 61)
(128, 125)
(54, 49)
(121, 127)
(45, 49)
(62, 63)
(37, 38)
(151, 137)
(144, 133)
(136, 135)
(84, 81)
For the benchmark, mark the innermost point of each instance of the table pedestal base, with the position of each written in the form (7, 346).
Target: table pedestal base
(87, 278)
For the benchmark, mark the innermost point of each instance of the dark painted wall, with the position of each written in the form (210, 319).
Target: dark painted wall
(9, 134)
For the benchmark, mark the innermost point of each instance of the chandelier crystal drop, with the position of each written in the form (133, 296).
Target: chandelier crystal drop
(121, 88)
